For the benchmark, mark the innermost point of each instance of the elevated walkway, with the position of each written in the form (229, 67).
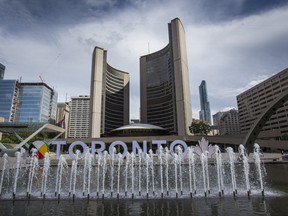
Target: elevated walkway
(35, 128)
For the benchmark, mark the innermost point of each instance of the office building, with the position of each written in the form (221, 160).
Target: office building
(27, 102)
(37, 102)
(204, 114)
(62, 116)
(255, 100)
(2, 71)
(79, 117)
(9, 90)
(227, 122)
(216, 118)
(164, 84)
(109, 93)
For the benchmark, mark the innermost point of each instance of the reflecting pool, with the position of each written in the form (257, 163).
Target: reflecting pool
(275, 202)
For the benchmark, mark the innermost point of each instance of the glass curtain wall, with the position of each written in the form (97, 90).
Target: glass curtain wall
(37, 103)
(8, 93)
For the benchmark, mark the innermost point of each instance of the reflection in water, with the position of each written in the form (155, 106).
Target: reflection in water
(175, 207)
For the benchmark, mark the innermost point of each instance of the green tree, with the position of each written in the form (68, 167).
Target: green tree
(199, 127)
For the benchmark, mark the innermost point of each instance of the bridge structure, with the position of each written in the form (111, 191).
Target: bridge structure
(254, 131)
(33, 128)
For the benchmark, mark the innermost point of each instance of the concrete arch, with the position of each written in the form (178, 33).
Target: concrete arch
(262, 119)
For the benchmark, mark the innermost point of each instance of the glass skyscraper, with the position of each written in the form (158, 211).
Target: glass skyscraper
(8, 99)
(37, 103)
(27, 102)
(204, 114)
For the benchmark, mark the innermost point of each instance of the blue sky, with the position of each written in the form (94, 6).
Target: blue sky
(232, 44)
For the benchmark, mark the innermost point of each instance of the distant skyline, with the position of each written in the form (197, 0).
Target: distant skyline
(233, 45)
(205, 112)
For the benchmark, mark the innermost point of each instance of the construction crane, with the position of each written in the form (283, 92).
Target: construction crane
(41, 79)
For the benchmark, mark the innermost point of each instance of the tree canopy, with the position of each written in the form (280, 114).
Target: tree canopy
(199, 127)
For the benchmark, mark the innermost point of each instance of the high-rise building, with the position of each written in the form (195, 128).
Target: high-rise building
(27, 102)
(79, 117)
(2, 71)
(109, 93)
(37, 103)
(255, 100)
(164, 84)
(216, 118)
(62, 116)
(204, 114)
(227, 122)
(9, 90)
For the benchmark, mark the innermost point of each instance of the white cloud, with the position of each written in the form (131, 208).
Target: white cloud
(229, 55)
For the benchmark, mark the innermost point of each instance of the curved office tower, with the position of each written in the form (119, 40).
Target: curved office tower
(164, 84)
(109, 96)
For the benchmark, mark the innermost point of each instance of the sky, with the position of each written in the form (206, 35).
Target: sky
(232, 44)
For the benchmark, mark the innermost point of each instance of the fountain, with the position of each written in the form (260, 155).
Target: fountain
(231, 156)
(140, 172)
(152, 170)
(244, 158)
(167, 169)
(219, 165)
(104, 169)
(202, 170)
(256, 156)
(161, 169)
(192, 170)
(61, 165)
(33, 166)
(112, 159)
(73, 174)
(19, 156)
(5, 161)
(88, 160)
(175, 161)
(45, 172)
(147, 157)
(128, 158)
(98, 174)
(118, 174)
